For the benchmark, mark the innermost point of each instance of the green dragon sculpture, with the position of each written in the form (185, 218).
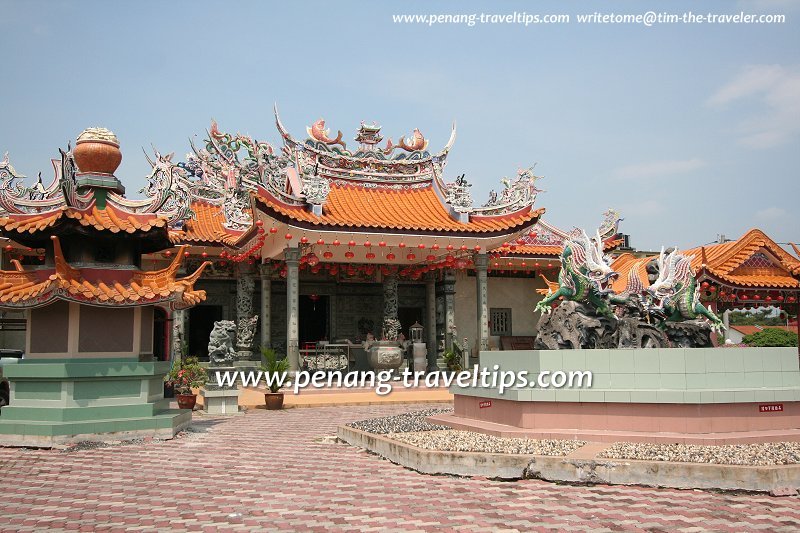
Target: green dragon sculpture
(674, 294)
(584, 277)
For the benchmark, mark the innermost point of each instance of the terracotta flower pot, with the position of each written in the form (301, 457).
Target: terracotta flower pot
(186, 401)
(273, 400)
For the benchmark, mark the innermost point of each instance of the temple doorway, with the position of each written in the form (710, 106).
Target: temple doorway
(407, 316)
(201, 322)
(314, 318)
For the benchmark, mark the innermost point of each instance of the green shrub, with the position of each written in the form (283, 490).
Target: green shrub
(771, 337)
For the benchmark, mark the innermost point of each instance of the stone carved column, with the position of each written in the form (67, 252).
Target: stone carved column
(482, 293)
(265, 271)
(292, 256)
(430, 326)
(245, 287)
(449, 291)
(390, 296)
(178, 333)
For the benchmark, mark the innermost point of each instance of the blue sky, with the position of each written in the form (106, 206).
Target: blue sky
(688, 130)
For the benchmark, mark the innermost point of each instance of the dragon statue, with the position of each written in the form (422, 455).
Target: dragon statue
(585, 276)
(674, 295)
(664, 313)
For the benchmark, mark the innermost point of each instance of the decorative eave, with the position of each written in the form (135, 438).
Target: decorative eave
(20, 289)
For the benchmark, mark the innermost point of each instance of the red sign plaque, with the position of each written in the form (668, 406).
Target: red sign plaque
(484, 404)
(770, 407)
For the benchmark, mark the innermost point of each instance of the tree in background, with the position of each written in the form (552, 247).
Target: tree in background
(771, 337)
(765, 316)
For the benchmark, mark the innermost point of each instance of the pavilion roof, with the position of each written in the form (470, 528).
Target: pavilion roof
(110, 218)
(120, 288)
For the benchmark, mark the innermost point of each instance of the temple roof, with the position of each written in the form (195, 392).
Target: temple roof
(110, 219)
(207, 227)
(752, 261)
(120, 288)
(412, 209)
(546, 240)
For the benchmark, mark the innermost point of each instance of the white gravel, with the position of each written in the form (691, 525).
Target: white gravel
(763, 454)
(466, 441)
(402, 423)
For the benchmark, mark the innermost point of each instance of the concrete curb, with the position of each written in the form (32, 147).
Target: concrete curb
(579, 470)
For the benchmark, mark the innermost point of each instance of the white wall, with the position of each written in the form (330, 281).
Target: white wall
(517, 293)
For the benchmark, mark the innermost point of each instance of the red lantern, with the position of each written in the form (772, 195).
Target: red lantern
(273, 229)
(204, 255)
(320, 242)
(704, 285)
(185, 254)
(259, 223)
(520, 241)
(382, 244)
(288, 237)
(532, 234)
(390, 256)
(328, 254)
(477, 248)
(348, 254)
(421, 246)
(336, 242)
(756, 297)
(168, 253)
(464, 248)
(9, 247)
(524, 264)
(506, 244)
(312, 260)
(367, 244)
(304, 239)
(411, 257)
(401, 245)
(370, 255)
(449, 259)
(450, 247)
(430, 257)
(435, 247)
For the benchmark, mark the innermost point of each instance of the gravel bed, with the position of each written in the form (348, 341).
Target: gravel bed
(402, 423)
(451, 440)
(762, 454)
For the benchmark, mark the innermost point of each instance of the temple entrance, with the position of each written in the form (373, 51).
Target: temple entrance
(407, 316)
(201, 322)
(314, 318)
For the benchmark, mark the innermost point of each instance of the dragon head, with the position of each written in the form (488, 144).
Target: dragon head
(674, 276)
(587, 256)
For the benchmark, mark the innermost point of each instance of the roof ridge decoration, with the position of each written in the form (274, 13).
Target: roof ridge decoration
(516, 194)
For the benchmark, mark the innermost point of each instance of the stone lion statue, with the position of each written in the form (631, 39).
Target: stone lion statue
(220, 343)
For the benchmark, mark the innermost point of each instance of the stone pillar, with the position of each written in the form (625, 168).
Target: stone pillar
(449, 291)
(265, 271)
(292, 256)
(389, 297)
(178, 333)
(482, 293)
(430, 325)
(245, 287)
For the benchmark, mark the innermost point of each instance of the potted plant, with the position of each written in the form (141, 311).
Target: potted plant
(452, 360)
(186, 375)
(274, 369)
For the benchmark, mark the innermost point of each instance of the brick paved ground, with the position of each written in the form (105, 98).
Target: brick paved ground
(268, 470)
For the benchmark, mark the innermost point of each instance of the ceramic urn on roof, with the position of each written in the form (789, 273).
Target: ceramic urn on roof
(97, 151)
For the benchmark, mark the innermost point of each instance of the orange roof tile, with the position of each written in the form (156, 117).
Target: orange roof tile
(205, 227)
(111, 219)
(724, 261)
(749, 330)
(626, 263)
(540, 250)
(416, 209)
(30, 289)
